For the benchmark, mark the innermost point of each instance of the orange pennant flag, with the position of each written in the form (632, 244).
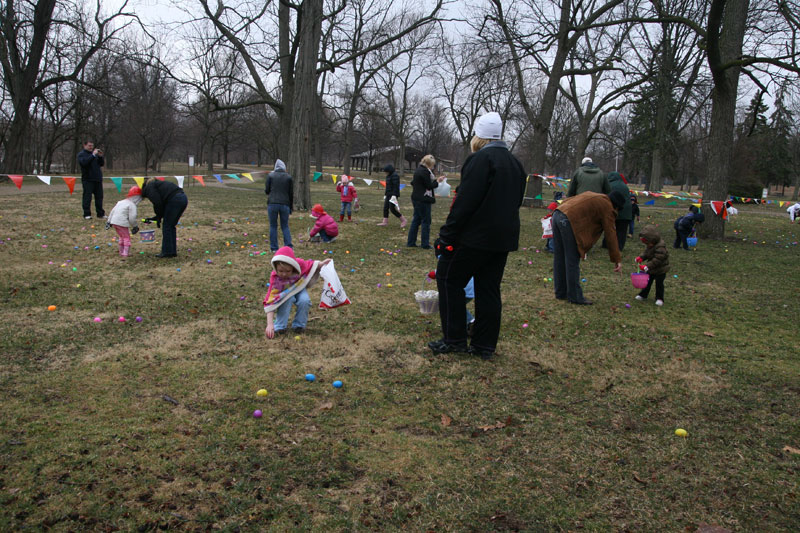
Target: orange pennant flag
(17, 179)
(200, 179)
(383, 183)
(70, 183)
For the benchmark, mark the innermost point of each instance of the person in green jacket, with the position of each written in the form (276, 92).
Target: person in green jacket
(588, 178)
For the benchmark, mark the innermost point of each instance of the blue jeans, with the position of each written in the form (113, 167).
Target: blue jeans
(324, 236)
(549, 246)
(421, 218)
(274, 210)
(630, 230)
(172, 214)
(303, 304)
(566, 260)
(347, 206)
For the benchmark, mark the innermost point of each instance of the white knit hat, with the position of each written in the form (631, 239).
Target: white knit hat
(586, 160)
(489, 126)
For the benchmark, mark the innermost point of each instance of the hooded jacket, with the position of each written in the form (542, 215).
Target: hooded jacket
(125, 213)
(279, 186)
(392, 182)
(617, 184)
(347, 191)
(159, 193)
(591, 214)
(422, 182)
(326, 222)
(687, 222)
(655, 256)
(588, 178)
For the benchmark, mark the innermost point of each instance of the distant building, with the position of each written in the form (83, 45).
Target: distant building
(374, 160)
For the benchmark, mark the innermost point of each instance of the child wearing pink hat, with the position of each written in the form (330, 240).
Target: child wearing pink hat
(348, 196)
(124, 218)
(325, 228)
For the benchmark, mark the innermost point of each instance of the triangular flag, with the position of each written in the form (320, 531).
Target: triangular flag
(673, 203)
(698, 206)
(717, 207)
(45, 179)
(402, 186)
(368, 182)
(200, 179)
(160, 178)
(180, 181)
(70, 183)
(651, 202)
(383, 183)
(248, 175)
(219, 177)
(537, 197)
(333, 176)
(118, 183)
(138, 181)
(17, 179)
(234, 176)
(317, 176)
(781, 204)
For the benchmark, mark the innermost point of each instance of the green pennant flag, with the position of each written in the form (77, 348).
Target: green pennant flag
(234, 176)
(673, 203)
(317, 176)
(537, 197)
(118, 183)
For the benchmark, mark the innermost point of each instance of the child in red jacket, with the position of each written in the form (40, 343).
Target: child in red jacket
(325, 229)
(349, 195)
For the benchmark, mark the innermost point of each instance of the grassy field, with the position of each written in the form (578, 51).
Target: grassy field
(146, 426)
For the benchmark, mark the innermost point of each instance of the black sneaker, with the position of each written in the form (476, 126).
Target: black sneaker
(441, 346)
(486, 355)
(299, 330)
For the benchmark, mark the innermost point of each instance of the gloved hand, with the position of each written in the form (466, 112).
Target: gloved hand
(147, 220)
(135, 230)
(432, 274)
(108, 225)
(158, 223)
(442, 249)
(643, 268)
(639, 259)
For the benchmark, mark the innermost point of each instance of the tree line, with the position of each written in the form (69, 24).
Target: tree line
(690, 92)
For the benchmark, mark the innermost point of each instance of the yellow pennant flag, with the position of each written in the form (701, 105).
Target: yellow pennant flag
(247, 175)
(780, 204)
(698, 206)
(139, 181)
(334, 178)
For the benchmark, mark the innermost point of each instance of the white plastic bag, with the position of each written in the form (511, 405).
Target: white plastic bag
(333, 294)
(443, 189)
(547, 228)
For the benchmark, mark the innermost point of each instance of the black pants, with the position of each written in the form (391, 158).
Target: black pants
(452, 274)
(387, 206)
(172, 214)
(622, 233)
(680, 238)
(659, 279)
(93, 188)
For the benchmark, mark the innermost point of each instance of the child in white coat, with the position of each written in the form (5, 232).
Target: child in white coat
(124, 219)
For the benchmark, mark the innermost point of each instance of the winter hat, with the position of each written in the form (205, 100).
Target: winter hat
(489, 126)
(134, 191)
(286, 255)
(280, 165)
(389, 168)
(617, 199)
(317, 210)
(586, 160)
(553, 206)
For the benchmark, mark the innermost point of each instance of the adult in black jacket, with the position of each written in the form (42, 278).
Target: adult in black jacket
(422, 185)
(280, 190)
(91, 161)
(482, 228)
(169, 203)
(392, 191)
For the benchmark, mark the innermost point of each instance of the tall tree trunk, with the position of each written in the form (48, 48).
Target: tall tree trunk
(656, 183)
(348, 135)
(287, 78)
(306, 77)
(726, 27)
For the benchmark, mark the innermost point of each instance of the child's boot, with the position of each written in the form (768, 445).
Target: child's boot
(341, 217)
(403, 221)
(125, 251)
(349, 218)
(384, 223)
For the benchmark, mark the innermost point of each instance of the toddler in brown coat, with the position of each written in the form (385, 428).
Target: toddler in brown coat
(655, 261)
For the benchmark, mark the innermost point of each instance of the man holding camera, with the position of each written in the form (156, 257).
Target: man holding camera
(91, 161)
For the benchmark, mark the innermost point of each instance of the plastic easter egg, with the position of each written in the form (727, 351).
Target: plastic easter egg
(257, 413)
(261, 393)
(51, 307)
(627, 306)
(337, 384)
(139, 319)
(681, 432)
(98, 319)
(310, 377)
(121, 319)
(297, 337)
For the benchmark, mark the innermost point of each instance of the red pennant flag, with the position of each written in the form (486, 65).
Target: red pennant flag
(70, 183)
(200, 179)
(383, 183)
(160, 178)
(719, 209)
(17, 179)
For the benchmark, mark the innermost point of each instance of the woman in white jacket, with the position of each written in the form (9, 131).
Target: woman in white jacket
(124, 219)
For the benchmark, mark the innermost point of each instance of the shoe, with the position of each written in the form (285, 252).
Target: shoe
(470, 329)
(333, 238)
(441, 346)
(403, 221)
(426, 247)
(163, 256)
(659, 302)
(299, 330)
(582, 302)
(486, 355)
(104, 217)
(411, 245)
(641, 298)
(315, 238)
(385, 222)
(88, 217)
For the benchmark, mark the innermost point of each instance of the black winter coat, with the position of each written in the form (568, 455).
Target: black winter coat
(422, 182)
(159, 193)
(279, 188)
(90, 166)
(485, 212)
(392, 185)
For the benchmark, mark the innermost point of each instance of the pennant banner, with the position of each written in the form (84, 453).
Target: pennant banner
(17, 179)
(139, 181)
(248, 176)
(70, 183)
(200, 179)
(45, 179)
(317, 176)
(117, 183)
(180, 181)
(218, 177)
(234, 176)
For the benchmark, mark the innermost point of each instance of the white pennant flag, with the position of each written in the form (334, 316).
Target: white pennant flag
(45, 179)
(368, 182)
(180, 181)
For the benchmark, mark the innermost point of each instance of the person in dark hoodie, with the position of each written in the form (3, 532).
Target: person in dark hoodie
(280, 190)
(685, 225)
(91, 161)
(577, 224)
(588, 178)
(482, 227)
(655, 261)
(390, 197)
(617, 182)
(169, 202)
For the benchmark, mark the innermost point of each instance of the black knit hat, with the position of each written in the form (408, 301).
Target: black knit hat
(389, 168)
(617, 199)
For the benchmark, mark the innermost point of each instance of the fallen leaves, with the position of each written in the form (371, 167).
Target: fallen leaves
(791, 450)
(446, 421)
(708, 334)
(497, 425)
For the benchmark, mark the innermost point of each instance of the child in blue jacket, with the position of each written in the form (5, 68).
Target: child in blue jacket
(684, 226)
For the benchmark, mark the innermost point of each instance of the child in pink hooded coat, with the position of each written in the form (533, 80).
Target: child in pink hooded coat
(326, 227)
